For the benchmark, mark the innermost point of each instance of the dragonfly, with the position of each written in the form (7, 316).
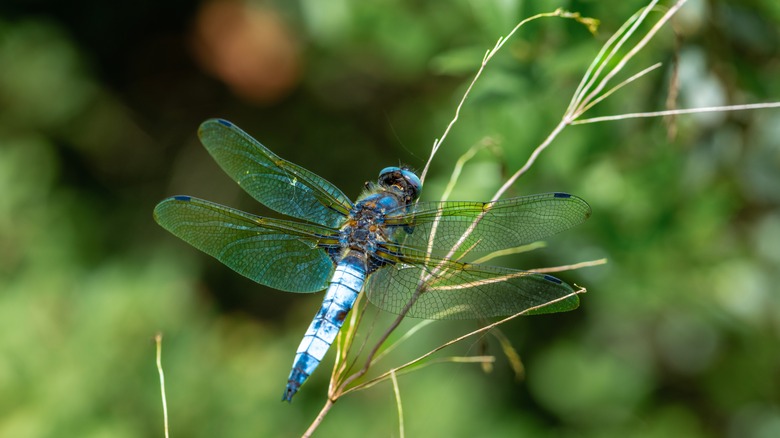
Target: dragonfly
(408, 256)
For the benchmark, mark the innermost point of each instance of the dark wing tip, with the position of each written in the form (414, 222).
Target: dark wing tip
(211, 122)
(158, 209)
(586, 213)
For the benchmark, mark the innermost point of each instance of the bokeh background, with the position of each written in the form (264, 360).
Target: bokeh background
(679, 334)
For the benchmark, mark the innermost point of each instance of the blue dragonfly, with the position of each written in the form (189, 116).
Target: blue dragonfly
(409, 257)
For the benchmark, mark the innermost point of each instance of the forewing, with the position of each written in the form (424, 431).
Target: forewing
(280, 254)
(276, 183)
(451, 290)
(502, 224)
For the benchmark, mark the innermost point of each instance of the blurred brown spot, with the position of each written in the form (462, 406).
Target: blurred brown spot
(249, 48)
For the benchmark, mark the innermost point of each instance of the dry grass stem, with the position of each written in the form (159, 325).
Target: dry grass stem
(398, 405)
(158, 344)
(580, 265)
(711, 109)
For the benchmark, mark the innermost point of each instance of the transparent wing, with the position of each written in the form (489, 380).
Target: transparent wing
(285, 255)
(452, 290)
(276, 183)
(502, 224)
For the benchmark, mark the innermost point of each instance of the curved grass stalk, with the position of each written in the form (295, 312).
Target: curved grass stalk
(158, 344)
(399, 406)
(580, 265)
(511, 354)
(676, 112)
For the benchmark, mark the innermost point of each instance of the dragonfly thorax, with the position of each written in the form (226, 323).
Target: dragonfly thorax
(363, 230)
(365, 227)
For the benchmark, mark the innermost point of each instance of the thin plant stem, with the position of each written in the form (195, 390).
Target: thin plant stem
(572, 267)
(321, 416)
(158, 343)
(517, 250)
(511, 354)
(710, 109)
(398, 405)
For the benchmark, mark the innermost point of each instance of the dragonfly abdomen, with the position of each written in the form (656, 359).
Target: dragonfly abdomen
(346, 283)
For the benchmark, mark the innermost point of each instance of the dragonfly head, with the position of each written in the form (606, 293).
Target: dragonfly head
(403, 179)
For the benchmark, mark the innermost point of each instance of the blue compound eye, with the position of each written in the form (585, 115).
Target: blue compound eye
(402, 178)
(384, 173)
(414, 182)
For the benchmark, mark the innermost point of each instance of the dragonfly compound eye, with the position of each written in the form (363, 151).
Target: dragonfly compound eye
(402, 178)
(414, 185)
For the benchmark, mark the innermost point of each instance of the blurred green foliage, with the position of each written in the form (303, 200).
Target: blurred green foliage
(99, 103)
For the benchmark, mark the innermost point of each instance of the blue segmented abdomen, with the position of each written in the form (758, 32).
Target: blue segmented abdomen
(344, 287)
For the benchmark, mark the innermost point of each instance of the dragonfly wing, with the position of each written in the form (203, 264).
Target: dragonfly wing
(452, 290)
(285, 255)
(502, 224)
(276, 183)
